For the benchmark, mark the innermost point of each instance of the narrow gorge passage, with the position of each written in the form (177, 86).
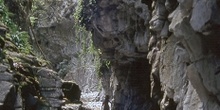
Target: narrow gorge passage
(130, 54)
(131, 85)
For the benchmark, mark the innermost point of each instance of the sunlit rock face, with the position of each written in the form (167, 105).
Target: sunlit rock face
(54, 30)
(180, 39)
(184, 53)
(56, 36)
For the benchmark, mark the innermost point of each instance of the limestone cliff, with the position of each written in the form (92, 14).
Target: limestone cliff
(26, 82)
(164, 53)
(62, 43)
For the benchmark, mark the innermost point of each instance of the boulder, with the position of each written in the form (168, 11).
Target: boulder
(8, 95)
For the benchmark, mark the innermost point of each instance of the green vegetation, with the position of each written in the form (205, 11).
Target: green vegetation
(20, 38)
(84, 37)
(81, 15)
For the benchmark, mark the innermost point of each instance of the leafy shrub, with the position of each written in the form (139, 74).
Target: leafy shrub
(20, 38)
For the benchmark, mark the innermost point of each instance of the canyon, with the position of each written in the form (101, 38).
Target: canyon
(152, 55)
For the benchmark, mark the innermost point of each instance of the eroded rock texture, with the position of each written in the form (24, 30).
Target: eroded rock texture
(60, 41)
(7, 91)
(27, 84)
(121, 31)
(186, 60)
(178, 37)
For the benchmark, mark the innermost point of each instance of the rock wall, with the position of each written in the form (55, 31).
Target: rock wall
(57, 36)
(120, 30)
(7, 91)
(186, 60)
(178, 37)
(27, 84)
(42, 91)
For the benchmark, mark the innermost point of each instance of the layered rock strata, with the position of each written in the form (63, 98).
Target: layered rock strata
(27, 84)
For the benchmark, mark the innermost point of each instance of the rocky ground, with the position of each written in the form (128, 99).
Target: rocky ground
(90, 100)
